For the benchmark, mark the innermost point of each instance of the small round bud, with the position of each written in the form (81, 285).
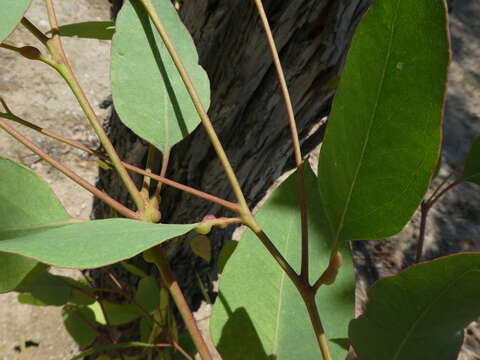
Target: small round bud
(330, 275)
(30, 52)
(203, 228)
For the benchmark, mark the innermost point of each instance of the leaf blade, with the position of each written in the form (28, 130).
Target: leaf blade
(379, 153)
(101, 30)
(258, 301)
(90, 244)
(472, 164)
(12, 12)
(147, 90)
(22, 194)
(418, 305)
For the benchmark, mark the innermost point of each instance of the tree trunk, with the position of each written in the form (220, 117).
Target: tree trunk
(247, 109)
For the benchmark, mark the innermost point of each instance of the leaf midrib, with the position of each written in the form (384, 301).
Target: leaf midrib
(367, 137)
(280, 292)
(425, 311)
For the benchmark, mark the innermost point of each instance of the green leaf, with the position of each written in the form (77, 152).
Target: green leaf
(147, 90)
(28, 299)
(101, 30)
(146, 327)
(12, 13)
(133, 269)
(15, 269)
(148, 294)
(25, 202)
(80, 293)
(78, 322)
(472, 164)
(201, 247)
(383, 136)
(421, 312)
(225, 254)
(89, 244)
(48, 289)
(117, 314)
(258, 301)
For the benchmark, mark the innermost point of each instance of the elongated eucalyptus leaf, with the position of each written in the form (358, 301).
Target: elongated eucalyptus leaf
(102, 30)
(89, 244)
(383, 137)
(472, 164)
(421, 312)
(11, 12)
(25, 201)
(148, 93)
(259, 313)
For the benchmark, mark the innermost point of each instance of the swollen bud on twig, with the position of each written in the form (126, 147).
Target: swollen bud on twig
(329, 276)
(30, 52)
(206, 225)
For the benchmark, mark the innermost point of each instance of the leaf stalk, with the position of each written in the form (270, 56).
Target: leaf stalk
(63, 67)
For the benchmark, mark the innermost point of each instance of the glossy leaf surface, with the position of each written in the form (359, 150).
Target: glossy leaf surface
(472, 164)
(147, 90)
(383, 136)
(258, 301)
(25, 202)
(421, 312)
(11, 12)
(89, 244)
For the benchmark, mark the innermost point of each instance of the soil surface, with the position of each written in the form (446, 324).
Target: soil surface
(39, 95)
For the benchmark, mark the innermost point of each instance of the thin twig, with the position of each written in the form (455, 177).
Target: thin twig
(443, 182)
(163, 172)
(432, 201)
(148, 168)
(69, 173)
(34, 31)
(105, 316)
(424, 210)
(309, 300)
(78, 145)
(181, 351)
(98, 349)
(237, 190)
(63, 67)
(294, 135)
(171, 284)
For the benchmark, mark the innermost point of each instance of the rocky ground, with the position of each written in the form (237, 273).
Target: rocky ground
(39, 95)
